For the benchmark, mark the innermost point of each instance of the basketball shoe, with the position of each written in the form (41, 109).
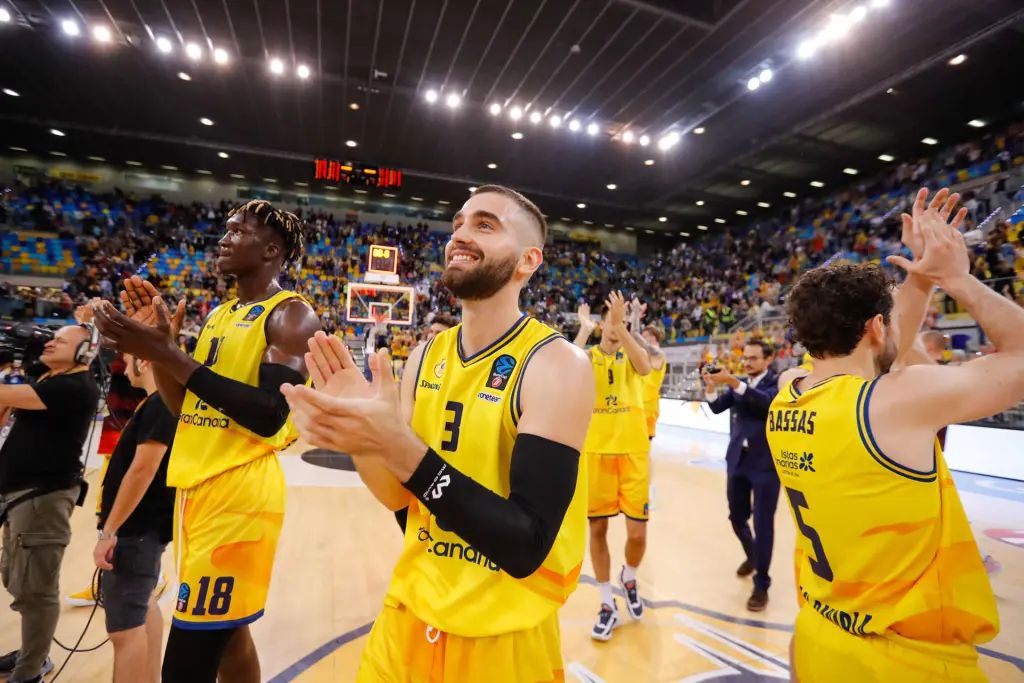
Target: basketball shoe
(607, 620)
(634, 605)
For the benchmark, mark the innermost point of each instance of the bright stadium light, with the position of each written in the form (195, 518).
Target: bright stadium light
(976, 123)
(133, 163)
(70, 27)
(430, 96)
(645, 140)
(11, 93)
(220, 55)
(817, 183)
(807, 48)
(741, 212)
(858, 13)
(720, 220)
(662, 219)
(517, 136)
(555, 121)
(850, 171)
(58, 133)
(495, 109)
(958, 60)
(168, 167)
(515, 113)
(700, 202)
(351, 143)
(627, 137)
(765, 75)
(206, 121)
(668, 141)
(699, 130)
(886, 158)
(929, 141)
(764, 205)
(592, 129)
(745, 182)
(536, 117)
(203, 171)
(302, 71)
(492, 166)
(612, 186)
(702, 227)
(581, 205)
(184, 76)
(791, 195)
(276, 66)
(648, 162)
(222, 155)
(754, 83)
(837, 28)
(99, 159)
(574, 125)
(472, 189)
(101, 34)
(193, 52)
(164, 45)
(879, 3)
(452, 101)
(5, 16)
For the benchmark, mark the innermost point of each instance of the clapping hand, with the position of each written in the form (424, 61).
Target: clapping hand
(616, 309)
(586, 322)
(333, 370)
(138, 299)
(943, 203)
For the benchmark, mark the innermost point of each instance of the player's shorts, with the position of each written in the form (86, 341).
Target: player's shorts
(618, 482)
(225, 535)
(403, 649)
(824, 653)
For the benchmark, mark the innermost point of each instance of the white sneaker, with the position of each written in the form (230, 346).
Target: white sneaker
(607, 620)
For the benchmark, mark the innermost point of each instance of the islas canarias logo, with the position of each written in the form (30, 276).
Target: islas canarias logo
(454, 548)
(198, 419)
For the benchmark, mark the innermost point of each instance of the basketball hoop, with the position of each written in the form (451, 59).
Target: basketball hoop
(379, 317)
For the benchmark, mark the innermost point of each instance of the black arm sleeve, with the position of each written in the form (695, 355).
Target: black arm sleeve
(261, 409)
(515, 532)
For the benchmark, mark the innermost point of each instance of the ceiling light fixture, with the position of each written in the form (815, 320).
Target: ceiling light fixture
(612, 186)
(472, 188)
(222, 155)
(302, 71)
(206, 122)
(741, 212)
(301, 184)
(720, 220)
(929, 141)
(627, 137)
(184, 76)
(203, 171)
(648, 162)
(744, 182)
(452, 101)
(858, 13)
(662, 219)
(58, 154)
(581, 205)
(96, 159)
(817, 183)
(592, 129)
(517, 136)
(416, 199)
(976, 123)
(886, 158)
(58, 133)
(495, 109)
(238, 176)
(754, 83)
(645, 140)
(276, 66)
(764, 205)
(133, 163)
(791, 195)
(850, 171)
(193, 52)
(168, 167)
(515, 113)
(164, 45)
(668, 141)
(11, 93)
(70, 27)
(536, 117)
(958, 60)
(555, 121)
(220, 55)
(354, 106)
(351, 143)
(700, 202)
(702, 227)
(765, 75)
(101, 34)
(358, 191)
(574, 125)
(648, 231)
(699, 130)
(492, 166)
(5, 16)
(270, 180)
(684, 234)
(807, 48)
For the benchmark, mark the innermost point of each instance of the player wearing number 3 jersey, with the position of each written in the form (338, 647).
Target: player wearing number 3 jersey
(890, 581)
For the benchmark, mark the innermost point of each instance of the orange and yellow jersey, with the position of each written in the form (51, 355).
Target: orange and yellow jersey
(618, 424)
(651, 383)
(208, 442)
(467, 408)
(881, 548)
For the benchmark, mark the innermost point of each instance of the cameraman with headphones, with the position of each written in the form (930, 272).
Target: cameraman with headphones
(40, 484)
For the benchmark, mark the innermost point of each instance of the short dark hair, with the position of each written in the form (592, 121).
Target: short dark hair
(766, 346)
(444, 319)
(830, 305)
(521, 201)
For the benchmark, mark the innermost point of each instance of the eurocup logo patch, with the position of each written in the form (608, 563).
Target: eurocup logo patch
(501, 371)
(183, 592)
(254, 313)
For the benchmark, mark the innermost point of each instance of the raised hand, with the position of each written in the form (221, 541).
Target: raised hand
(139, 297)
(616, 309)
(944, 254)
(583, 313)
(145, 341)
(332, 368)
(943, 202)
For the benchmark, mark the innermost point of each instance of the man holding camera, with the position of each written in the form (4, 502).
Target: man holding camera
(750, 469)
(136, 514)
(40, 483)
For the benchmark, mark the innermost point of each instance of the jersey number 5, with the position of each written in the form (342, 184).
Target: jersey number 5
(452, 442)
(819, 563)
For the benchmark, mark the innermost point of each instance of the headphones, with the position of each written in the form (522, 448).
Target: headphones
(87, 351)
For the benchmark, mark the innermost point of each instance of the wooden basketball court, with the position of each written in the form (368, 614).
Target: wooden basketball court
(339, 545)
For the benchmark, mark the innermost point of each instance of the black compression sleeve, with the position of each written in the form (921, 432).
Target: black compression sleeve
(261, 409)
(515, 532)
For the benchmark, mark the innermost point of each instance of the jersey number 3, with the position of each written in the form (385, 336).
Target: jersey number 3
(819, 563)
(451, 443)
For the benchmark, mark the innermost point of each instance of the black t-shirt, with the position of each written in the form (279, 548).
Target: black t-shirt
(44, 447)
(151, 422)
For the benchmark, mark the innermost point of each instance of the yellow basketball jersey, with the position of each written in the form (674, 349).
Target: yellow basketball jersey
(618, 424)
(880, 547)
(467, 409)
(652, 387)
(207, 442)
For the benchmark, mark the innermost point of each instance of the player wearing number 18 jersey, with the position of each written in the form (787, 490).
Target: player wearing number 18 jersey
(890, 581)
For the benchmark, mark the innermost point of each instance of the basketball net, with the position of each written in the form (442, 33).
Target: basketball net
(378, 320)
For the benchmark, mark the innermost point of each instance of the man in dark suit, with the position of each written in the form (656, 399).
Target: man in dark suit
(751, 471)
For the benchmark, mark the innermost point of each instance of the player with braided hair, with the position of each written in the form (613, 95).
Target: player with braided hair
(232, 421)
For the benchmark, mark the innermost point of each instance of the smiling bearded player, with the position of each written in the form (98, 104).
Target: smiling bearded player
(232, 423)
(483, 444)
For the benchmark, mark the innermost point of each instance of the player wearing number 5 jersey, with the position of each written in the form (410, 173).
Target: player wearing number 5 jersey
(891, 583)
(232, 421)
(483, 447)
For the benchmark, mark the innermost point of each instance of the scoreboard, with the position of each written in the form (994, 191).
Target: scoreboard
(382, 264)
(360, 175)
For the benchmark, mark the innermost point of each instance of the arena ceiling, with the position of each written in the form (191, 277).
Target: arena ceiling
(653, 67)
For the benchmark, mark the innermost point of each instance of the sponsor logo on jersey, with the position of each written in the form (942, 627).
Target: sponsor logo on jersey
(439, 369)
(183, 592)
(501, 371)
(489, 397)
(254, 313)
(790, 460)
(439, 486)
(807, 462)
(455, 550)
(197, 419)
(424, 384)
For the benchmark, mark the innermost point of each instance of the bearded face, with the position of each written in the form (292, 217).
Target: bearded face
(470, 275)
